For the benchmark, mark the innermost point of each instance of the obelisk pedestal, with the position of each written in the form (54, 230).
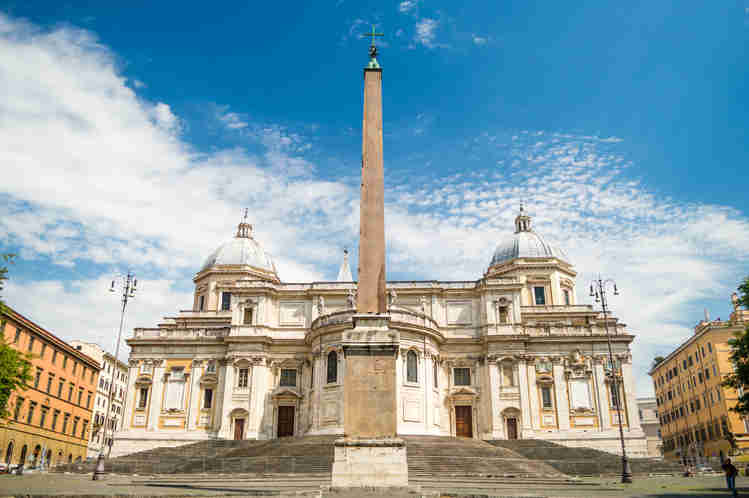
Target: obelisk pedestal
(370, 454)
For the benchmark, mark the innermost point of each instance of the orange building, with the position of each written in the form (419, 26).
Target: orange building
(49, 421)
(694, 410)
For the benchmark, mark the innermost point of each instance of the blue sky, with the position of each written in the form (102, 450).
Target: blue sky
(136, 135)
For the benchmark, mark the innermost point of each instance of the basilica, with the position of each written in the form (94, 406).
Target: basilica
(510, 355)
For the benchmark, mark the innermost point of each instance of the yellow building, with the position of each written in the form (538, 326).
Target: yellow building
(50, 420)
(693, 407)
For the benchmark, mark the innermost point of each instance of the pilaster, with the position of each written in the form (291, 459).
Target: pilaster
(560, 389)
(225, 427)
(193, 413)
(525, 406)
(157, 388)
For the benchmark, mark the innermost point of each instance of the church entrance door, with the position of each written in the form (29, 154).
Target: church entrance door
(512, 428)
(285, 421)
(463, 421)
(238, 429)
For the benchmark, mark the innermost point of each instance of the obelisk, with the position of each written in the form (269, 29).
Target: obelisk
(371, 271)
(370, 454)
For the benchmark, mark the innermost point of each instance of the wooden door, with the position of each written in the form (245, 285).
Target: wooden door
(463, 421)
(512, 428)
(238, 429)
(285, 421)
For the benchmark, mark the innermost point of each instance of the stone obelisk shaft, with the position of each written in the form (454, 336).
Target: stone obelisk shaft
(372, 298)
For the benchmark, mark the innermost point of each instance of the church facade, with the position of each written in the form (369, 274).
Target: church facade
(510, 355)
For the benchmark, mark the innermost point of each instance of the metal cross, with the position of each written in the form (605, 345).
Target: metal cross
(372, 35)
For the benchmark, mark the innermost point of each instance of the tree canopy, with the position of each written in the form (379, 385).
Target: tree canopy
(739, 379)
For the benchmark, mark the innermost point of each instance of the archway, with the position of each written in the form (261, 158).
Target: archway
(22, 458)
(70, 458)
(48, 459)
(511, 417)
(60, 458)
(35, 456)
(9, 453)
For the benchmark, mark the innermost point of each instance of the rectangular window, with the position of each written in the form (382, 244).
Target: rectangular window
(699, 376)
(55, 414)
(50, 379)
(462, 376)
(247, 316)
(75, 367)
(37, 377)
(143, 399)
(566, 297)
(503, 314)
(83, 429)
(88, 400)
(207, 398)
(44, 348)
(65, 423)
(43, 417)
(243, 378)
(546, 398)
(19, 404)
(59, 388)
(54, 356)
(225, 301)
(175, 389)
(31, 343)
(707, 374)
(70, 392)
(30, 415)
(211, 367)
(709, 347)
(201, 303)
(615, 397)
(717, 393)
(64, 362)
(75, 425)
(80, 395)
(697, 404)
(539, 296)
(689, 360)
(684, 364)
(288, 377)
(715, 371)
(18, 336)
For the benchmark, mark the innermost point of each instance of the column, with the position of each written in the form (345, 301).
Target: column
(131, 395)
(560, 389)
(224, 422)
(633, 414)
(525, 407)
(193, 413)
(493, 390)
(535, 411)
(602, 398)
(157, 387)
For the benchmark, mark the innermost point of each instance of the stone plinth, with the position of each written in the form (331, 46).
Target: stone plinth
(376, 463)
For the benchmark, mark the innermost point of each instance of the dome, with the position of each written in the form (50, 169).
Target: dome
(241, 250)
(525, 243)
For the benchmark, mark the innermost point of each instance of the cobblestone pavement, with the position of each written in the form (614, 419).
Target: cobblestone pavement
(73, 484)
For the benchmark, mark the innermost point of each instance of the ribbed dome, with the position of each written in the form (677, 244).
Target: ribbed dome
(241, 250)
(525, 243)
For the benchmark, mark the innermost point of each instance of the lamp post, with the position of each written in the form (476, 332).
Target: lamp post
(598, 290)
(129, 284)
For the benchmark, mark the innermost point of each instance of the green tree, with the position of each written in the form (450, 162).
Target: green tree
(15, 367)
(739, 379)
(657, 361)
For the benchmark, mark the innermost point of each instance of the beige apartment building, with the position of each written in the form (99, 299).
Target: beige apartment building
(694, 410)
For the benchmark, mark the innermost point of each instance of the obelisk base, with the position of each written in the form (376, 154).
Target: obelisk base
(370, 463)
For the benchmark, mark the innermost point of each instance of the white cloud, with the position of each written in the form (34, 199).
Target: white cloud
(479, 40)
(231, 120)
(407, 6)
(426, 31)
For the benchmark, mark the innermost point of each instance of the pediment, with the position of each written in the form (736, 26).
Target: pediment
(286, 392)
(463, 391)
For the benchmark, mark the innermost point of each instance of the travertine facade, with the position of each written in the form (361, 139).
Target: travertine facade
(508, 355)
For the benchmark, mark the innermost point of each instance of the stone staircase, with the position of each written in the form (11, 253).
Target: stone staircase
(438, 462)
(297, 455)
(583, 461)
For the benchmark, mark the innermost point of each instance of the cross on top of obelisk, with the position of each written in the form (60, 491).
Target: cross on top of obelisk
(372, 49)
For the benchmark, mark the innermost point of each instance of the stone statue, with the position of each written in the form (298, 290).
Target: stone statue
(320, 305)
(423, 302)
(735, 301)
(392, 298)
(351, 299)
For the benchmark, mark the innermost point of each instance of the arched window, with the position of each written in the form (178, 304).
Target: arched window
(332, 367)
(22, 458)
(411, 367)
(9, 453)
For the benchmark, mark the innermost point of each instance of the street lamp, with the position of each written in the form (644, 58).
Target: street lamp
(129, 285)
(598, 290)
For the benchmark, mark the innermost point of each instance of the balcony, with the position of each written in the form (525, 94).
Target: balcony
(397, 316)
(562, 308)
(182, 333)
